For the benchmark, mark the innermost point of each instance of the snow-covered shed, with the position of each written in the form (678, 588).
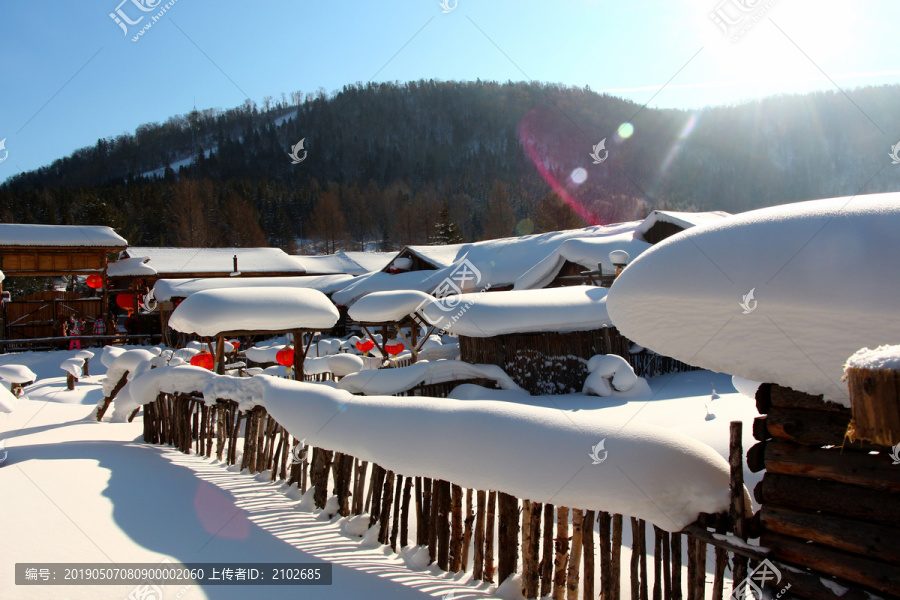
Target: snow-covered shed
(661, 224)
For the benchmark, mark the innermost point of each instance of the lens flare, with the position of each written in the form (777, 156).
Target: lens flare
(626, 130)
(525, 227)
(535, 133)
(578, 176)
(688, 127)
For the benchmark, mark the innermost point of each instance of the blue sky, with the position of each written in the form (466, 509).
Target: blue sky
(70, 75)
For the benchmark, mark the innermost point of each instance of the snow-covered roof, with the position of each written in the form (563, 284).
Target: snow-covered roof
(685, 220)
(756, 295)
(587, 252)
(168, 261)
(498, 262)
(211, 312)
(389, 306)
(130, 267)
(439, 256)
(18, 234)
(370, 261)
(166, 289)
(575, 308)
(350, 263)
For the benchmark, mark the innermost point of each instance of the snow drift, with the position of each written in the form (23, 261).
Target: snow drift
(386, 382)
(825, 281)
(531, 452)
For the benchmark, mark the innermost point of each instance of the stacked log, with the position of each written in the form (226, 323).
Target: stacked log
(828, 504)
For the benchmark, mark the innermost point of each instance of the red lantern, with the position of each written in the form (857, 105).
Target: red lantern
(95, 282)
(285, 357)
(204, 359)
(394, 347)
(365, 345)
(235, 343)
(125, 301)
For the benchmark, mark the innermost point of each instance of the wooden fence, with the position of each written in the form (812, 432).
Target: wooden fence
(465, 529)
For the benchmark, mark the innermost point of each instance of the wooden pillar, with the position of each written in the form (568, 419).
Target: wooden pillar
(104, 298)
(299, 353)
(220, 354)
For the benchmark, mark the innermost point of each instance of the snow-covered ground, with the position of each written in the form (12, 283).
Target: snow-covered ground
(74, 490)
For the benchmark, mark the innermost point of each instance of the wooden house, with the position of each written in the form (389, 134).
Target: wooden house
(54, 251)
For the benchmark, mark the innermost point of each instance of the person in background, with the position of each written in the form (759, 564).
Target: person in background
(61, 329)
(100, 329)
(77, 328)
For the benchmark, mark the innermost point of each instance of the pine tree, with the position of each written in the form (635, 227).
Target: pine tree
(445, 230)
(553, 214)
(500, 221)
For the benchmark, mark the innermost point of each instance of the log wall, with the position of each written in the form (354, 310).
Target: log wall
(828, 504)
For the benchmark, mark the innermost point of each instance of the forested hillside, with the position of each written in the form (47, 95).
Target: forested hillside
(391, 164)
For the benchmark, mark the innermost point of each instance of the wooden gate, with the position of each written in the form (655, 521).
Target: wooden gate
(34, 316)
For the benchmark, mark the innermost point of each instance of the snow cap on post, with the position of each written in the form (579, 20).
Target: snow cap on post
(17, 374)
(211, 312)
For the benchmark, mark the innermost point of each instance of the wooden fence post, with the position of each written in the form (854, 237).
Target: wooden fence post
(468, 522)
(588, 551)
(737, 509)
(456, 529)
(478, 566)
(531, 540)
(573, 576)
(489, 538)
(548, 554)
(561, 562)
(404, 514)
(616, 558)
(507, 536)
